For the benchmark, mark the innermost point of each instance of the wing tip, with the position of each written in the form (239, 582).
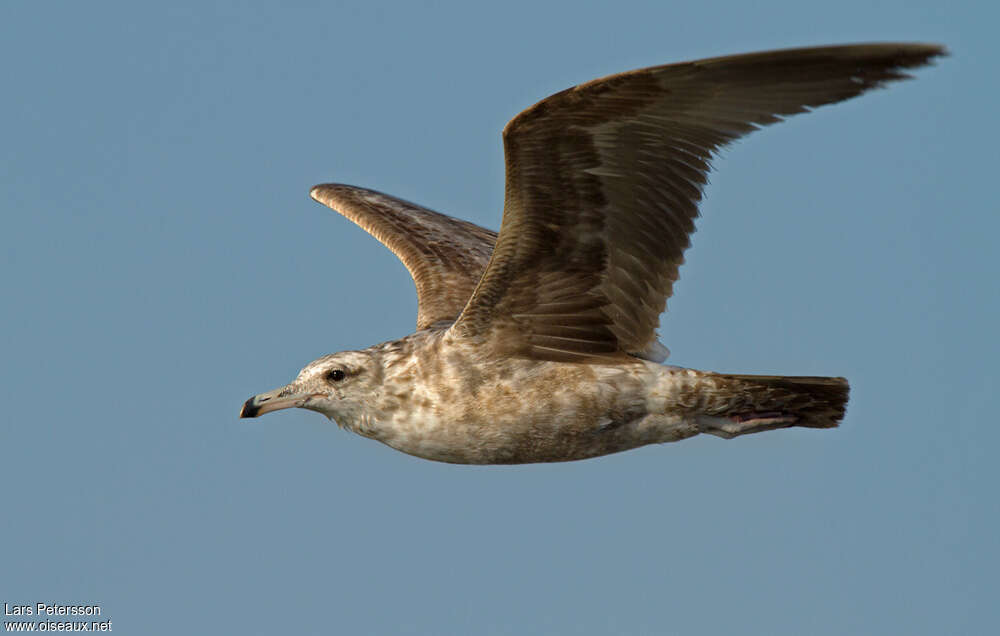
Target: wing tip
(930, 49)
(321, 191)
(334, 194)
(921, 53)
(898, 55)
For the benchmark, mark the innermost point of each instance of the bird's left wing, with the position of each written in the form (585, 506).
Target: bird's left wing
(445, 256)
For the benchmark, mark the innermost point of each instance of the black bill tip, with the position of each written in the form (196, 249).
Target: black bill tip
(250, 409)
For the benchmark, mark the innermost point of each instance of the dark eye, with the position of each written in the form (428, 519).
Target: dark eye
(336, 375)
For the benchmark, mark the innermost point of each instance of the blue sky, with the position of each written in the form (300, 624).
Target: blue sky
(163, 262)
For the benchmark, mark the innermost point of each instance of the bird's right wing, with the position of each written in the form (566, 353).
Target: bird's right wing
(445, 256)
(604, 181)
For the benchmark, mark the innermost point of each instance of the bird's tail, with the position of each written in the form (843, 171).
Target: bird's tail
(768, 402)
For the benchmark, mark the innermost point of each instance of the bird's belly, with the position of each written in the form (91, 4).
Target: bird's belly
(530, 435)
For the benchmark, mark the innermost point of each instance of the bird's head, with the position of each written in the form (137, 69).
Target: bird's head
(340, 386)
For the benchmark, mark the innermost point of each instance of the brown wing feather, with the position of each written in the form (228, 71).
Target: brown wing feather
(445, 256)
(604, 180)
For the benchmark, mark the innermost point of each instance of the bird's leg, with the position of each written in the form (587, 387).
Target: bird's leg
(732, 426)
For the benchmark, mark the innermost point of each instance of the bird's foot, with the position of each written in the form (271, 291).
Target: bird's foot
(745, 423)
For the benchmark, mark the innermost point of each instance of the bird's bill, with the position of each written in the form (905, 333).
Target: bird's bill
(274, 401)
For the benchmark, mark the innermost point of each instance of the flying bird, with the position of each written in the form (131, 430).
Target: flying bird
(538, 343)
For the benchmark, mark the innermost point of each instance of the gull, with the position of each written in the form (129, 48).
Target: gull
(539, 343)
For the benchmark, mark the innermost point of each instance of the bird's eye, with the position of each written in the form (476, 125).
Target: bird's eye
(336, 375)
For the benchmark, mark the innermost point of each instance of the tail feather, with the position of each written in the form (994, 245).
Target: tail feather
(813, 402)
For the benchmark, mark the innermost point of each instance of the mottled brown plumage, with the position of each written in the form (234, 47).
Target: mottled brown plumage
(539, 344)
